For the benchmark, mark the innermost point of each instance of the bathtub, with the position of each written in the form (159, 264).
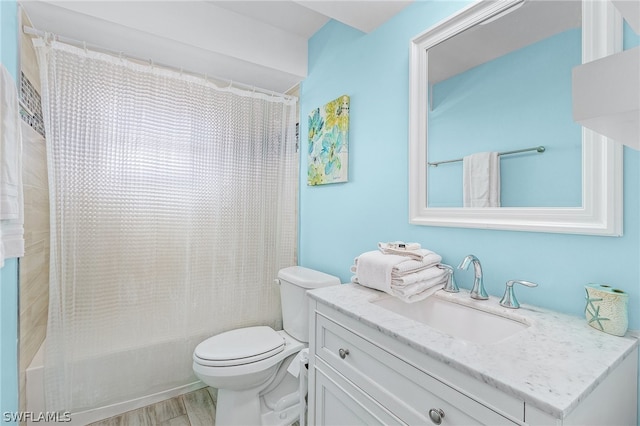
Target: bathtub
(35, 397)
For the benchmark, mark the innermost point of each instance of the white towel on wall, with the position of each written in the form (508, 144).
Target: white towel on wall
(481, 180)
(11, 201)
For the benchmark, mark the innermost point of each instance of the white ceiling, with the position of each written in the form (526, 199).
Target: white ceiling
(258, 43)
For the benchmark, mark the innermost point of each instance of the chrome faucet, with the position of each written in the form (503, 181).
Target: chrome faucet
(509, 299)
(478, 291)
(450, 285)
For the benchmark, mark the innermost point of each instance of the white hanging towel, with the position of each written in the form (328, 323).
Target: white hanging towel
(481, 180)
(301, 358)
(11, 202)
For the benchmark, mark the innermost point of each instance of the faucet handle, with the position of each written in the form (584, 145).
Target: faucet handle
(450, 285)
(509, 299)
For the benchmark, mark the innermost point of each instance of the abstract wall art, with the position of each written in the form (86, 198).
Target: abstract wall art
(329, 143)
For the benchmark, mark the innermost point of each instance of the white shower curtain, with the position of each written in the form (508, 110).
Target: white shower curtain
(173, 205)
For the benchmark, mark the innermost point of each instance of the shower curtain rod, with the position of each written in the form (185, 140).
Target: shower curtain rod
(78, 43)
(539, 149)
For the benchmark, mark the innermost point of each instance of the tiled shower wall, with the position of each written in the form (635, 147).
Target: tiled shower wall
(31, 105)
(34, 266)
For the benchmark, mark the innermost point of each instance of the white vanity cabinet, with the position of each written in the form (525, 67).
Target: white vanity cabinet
(358, 379)
(360, 375)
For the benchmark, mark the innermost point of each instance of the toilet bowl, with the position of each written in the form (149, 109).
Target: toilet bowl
(249, 365)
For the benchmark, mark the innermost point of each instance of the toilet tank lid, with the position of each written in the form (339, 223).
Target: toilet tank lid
(307, 278)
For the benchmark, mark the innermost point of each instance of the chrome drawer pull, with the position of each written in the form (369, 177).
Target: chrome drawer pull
(436, 415)
(343, 353)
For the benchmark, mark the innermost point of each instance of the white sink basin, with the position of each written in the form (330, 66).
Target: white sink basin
(459, 321)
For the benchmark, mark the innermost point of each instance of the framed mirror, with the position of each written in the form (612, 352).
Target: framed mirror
(467, 98)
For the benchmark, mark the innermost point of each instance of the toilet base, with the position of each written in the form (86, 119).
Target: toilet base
(237, 408)
(245, 409)
(281, 418)
(279, 407)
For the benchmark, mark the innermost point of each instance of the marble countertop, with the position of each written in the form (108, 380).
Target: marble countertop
(553, 364)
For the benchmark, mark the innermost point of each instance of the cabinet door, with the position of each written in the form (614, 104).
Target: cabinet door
(339, 403)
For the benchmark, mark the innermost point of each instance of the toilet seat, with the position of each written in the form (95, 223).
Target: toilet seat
(238, 347)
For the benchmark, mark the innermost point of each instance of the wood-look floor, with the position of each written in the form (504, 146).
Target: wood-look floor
(197, 408)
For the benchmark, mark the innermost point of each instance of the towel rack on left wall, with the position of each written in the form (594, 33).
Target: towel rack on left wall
(539, 149)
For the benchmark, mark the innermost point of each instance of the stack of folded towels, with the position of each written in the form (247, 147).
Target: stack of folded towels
(404, 270)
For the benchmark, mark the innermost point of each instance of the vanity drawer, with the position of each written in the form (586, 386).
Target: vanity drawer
(338, 402)
(405, 390)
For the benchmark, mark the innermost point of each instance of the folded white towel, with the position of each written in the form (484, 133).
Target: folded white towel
(429, 275)
(413, 292)
(481, 180)
(403, 249)
(410, 266)
(418, 291)
(419, 296)
(375, 269)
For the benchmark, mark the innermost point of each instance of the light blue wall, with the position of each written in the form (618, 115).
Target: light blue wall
(9, 274)
(9, 35)
(340, 221)
(631, 39)
(519, 100)
(9, 337)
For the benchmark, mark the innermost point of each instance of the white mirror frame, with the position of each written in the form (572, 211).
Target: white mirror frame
(602, 200)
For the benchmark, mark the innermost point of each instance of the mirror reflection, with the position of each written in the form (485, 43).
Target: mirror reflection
(505, 85)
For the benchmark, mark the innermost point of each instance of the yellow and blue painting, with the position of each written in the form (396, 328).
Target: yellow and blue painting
(329, 143)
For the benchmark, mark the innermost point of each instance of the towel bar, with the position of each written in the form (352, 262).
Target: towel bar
(517, 151)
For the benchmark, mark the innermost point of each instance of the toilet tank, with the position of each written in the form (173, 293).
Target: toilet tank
(294, 282)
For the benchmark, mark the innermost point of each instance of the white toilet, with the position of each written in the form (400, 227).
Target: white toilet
(249, 365)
